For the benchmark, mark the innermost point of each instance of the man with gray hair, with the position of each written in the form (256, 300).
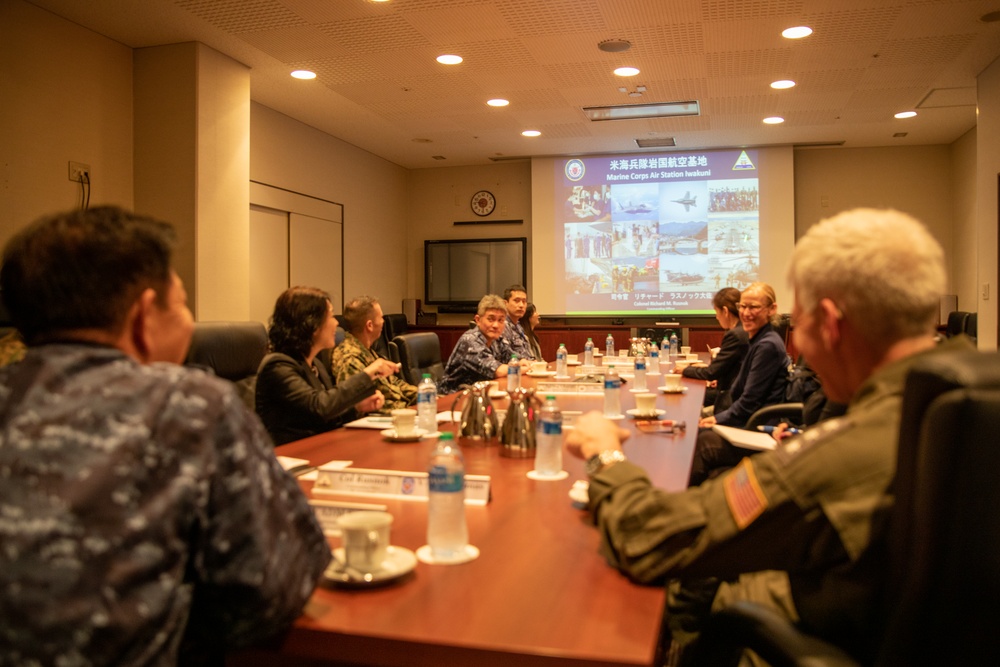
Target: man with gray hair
(479, 354)
(796, 529)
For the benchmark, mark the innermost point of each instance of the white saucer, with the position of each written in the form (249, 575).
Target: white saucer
(390, 435)
(574, 363)
(425, 555)
(543, 374)
(668, 390)
(563, 377)
(398, 562)
(634, 412)
(562, 474)
(578, 494)
(615, 418)
(640, 391)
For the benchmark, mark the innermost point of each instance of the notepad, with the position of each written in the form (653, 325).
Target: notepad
(746, 439)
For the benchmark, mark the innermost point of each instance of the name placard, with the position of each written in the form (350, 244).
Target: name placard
(392, 484)
(565, 388)
(327, 512)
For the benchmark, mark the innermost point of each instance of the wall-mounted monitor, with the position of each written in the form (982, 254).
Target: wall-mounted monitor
(458, 273)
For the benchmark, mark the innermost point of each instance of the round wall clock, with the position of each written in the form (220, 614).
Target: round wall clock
(483, 202)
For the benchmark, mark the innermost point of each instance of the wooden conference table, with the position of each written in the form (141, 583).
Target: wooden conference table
(538, 594)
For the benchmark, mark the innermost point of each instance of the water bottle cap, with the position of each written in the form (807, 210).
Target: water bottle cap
(550, 397)
(446, 435)
(427, 375)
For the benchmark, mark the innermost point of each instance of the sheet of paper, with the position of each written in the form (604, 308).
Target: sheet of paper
(748, 439)
(381, 422)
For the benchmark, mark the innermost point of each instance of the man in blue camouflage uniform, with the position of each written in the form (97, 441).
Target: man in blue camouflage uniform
(514, 338)
(479, 354)
(141, 502)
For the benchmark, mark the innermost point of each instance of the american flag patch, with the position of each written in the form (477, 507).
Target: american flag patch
(743, 494)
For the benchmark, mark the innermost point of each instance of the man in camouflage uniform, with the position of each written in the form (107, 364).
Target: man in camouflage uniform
(362, 321)
(513, 337)
(142, 503)
(479, 354)
(797, 529)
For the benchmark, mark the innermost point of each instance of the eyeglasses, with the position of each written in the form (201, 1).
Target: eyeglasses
(752, 307)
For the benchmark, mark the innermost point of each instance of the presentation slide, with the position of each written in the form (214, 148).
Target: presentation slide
(656, 233)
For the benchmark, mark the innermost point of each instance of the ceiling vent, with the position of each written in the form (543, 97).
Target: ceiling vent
(662, 142)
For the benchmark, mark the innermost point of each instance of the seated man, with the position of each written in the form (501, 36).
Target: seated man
(362, 321)
(514, 338)
(479, 354)
(142, 500)
(796, 529)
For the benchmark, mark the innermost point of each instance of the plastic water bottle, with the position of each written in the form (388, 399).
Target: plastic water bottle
(640, 373)
(447, 532)
(665, 346)
(427, 404)
(654, 358)
(612, 393)
(548, 449)
(609, 346)
(513, 374)
(561, 356)
(674, 345)
(588, 353)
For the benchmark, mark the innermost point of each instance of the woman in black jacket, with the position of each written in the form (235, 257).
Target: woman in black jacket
(726, 364)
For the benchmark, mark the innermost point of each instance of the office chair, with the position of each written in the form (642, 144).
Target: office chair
(232, 350)
(940, 549)
(972, 326)
(420, 353)
(957, 320)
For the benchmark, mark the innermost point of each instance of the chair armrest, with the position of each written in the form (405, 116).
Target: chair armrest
(791, 410)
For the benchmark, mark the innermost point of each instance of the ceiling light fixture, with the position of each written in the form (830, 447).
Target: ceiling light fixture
(906, 114)
(774, 120)
(783, 84)
(449, 59)
(663, 142)
(614, 45)
(652, 110)
(304, 74)
(798, 32)
(626, 71)
(498, 102)
(531, 133)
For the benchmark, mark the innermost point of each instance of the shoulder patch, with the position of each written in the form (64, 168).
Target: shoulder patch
(791, 447)
(744, 496)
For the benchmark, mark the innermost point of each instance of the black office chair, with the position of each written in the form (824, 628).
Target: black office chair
(420, 353)
(957, 320)
(394, 324)
(232, 350)
(972, 326)
(941, 547)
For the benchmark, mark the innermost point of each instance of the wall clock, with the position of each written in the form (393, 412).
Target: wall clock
(483, 202)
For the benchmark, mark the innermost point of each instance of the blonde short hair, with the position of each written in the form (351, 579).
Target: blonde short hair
(882, 268)
(768, 293)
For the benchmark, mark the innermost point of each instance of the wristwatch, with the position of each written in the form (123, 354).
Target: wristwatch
(598, 462)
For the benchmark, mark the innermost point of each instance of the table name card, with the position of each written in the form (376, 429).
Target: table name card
(327, 512)
(565, 388)
(393, 484)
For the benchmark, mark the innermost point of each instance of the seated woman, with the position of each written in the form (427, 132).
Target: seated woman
(726, 364)
(295, 396)
(528, 322)
(761, 381)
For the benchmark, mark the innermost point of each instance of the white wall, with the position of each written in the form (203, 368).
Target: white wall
(987, 215)
(963, 180)
(288, 154)
(65, 94)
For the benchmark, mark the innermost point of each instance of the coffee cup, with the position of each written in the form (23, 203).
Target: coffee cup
(681, 364)
(685, 350)
(692, 357)
(645, 404)
(365, 538)
(404, 420)
(622, 354)
(538, 366)
(572, 358)
(672, 381)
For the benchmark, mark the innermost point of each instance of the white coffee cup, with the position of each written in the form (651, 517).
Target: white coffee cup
(672, 381)
(622, 354)
(404, 420)
(692, 357)
(365, 538)
(538, 366)
(572, 358)
(681, 364)
(685, 350)
(645, 404)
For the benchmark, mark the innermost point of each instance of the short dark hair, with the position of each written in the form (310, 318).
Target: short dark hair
(726, 299)
(509, 292)
(357, 312)
(298, 314)
(83, 270)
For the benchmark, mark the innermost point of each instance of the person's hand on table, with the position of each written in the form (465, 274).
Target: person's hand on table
(706, 422)
(371, 404)
(594, 434)
(698, 364)
(381, 368)
(783, 431)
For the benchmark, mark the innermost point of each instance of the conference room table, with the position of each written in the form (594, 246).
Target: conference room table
(538, 594)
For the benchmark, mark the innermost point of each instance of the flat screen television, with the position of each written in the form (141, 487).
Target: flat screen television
(458, 273)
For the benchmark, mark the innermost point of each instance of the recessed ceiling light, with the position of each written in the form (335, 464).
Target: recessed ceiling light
(626, 71)
(797, 32)
(498, 102)
(614, 45)
(906, 114)
(781, 85)
(449, 59)
(303, 74)
(774, 120)
(531, 133)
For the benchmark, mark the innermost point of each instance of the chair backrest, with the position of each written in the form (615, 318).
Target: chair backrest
(956, 323)
(420, 353)
(972, 326)
(233, 350)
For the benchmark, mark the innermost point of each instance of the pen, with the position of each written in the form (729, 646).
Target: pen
(770, 429)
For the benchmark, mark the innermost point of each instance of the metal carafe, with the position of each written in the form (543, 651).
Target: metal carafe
(517, 435)
(479, 417)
